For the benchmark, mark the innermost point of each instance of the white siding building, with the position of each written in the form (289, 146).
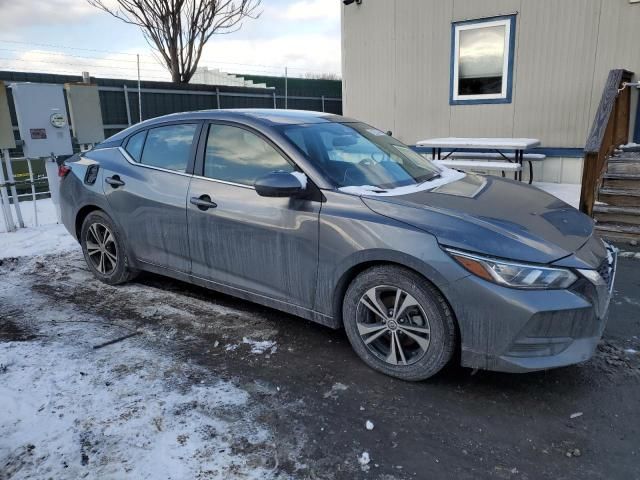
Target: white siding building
(488, 68)
(214, 76)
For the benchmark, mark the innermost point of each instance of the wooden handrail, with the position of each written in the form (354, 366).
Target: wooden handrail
(610, 129)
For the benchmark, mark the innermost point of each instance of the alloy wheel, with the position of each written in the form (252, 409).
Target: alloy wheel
(101, 248)
(393, 325)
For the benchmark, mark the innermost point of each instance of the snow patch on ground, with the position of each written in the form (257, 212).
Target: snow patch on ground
(131, 409)
(261, 346)
(36, 241)
(48, 237)
(364, 460)
(567, 192)
(70, 411)
(626, 254)
(46, 214)
(335, 389)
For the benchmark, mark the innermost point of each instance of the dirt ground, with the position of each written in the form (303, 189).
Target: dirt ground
(300, 398)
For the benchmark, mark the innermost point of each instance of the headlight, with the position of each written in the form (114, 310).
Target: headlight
(515, 275)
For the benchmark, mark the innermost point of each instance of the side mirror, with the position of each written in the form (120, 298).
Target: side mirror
(279, 184)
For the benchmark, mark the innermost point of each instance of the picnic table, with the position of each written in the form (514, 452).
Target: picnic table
(480, 150)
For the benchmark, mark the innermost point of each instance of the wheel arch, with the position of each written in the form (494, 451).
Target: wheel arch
(82, 214)
(345, 279)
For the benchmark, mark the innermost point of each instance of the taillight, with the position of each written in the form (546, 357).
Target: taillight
(63, 170)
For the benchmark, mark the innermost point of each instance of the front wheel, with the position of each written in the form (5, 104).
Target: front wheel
(104, 250)
(398, 323)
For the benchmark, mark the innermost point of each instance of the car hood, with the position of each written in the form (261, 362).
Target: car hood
(492, 216)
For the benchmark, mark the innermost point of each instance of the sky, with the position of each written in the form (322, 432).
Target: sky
(71, 36)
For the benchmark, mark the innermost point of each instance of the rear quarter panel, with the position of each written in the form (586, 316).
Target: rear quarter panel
(75, 193)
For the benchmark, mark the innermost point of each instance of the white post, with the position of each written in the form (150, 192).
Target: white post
(126, 103)
(139, 92)
(14, 193)
(4, 215)
(51, 166)
(6, 205)
(33, 193)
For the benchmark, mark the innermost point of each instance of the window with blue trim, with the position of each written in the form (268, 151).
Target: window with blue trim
(482, 60)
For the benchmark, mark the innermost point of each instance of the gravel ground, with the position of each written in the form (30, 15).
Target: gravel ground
(205, 386)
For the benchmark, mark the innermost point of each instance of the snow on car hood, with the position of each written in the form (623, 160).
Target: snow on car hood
(491, 216)
(447, 175)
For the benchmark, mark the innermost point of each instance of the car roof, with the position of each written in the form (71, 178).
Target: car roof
(262, 116)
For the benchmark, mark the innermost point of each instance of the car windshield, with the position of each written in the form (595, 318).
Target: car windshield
(355, 154)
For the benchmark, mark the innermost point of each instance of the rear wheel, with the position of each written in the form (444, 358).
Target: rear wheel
(398, 323)
(104, 249)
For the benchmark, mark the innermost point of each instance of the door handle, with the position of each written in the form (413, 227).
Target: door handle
(203, 202)
(114, 181)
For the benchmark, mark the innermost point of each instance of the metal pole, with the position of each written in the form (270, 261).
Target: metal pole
(286, 88)
(275, 101)
(14, 192)
(323, 103)
(6, 205)
(33, 192)
(218, 97)
(126, 103)
(139, 92)
(7, 222)
(51, 166)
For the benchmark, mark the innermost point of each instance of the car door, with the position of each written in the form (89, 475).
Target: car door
(148, 193)
(267, 246)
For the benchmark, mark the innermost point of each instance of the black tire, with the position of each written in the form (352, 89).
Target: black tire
(429, 307)
(118, 271)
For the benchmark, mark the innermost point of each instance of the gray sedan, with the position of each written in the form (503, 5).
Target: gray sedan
(332, 220)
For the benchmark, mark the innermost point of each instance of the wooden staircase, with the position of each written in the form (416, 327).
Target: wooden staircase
(617, 209)
(611, 173)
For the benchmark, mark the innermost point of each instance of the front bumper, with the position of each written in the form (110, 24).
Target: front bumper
(513, 330)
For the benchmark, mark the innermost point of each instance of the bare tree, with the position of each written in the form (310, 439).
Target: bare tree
(179, 29)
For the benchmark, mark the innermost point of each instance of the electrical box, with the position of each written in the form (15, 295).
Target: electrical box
(42, 119)
(85, 112)
(7, 139)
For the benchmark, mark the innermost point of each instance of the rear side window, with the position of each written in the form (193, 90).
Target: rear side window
(168, 147)
(135, 144)
(236, 155)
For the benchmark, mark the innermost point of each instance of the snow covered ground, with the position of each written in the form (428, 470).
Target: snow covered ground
(567, 192)
(48, 237)
(134, 408)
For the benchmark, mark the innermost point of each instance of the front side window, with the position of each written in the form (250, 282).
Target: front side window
(237, 155)
(482, 60)
(355, 154)
(168, 147)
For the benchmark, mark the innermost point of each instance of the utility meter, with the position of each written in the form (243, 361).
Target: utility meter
(42, 119)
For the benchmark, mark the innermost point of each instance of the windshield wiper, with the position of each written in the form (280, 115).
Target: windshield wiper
(432, 177)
